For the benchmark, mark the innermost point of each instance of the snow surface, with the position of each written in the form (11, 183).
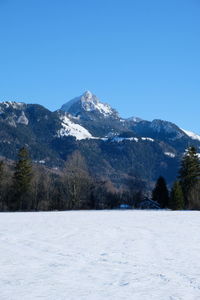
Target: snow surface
(73, 129)
(191, 134)
(121, 139)
(134, 119)
(97, 255)
(147, 139)
(170, 154)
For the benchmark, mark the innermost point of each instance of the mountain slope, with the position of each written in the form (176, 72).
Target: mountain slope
(97, 117)
(116, 149)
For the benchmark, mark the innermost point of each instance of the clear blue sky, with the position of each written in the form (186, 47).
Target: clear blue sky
(140, 56)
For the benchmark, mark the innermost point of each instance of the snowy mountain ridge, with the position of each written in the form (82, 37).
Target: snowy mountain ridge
(12, 104)
(191, 134)
(89, 107)
(112, 146)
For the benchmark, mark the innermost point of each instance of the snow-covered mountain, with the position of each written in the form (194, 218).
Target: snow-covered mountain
(114, 148)
(89, 106)
(86, 117)
(101, 120)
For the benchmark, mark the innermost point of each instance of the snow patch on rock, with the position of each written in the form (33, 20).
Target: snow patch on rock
(147, 139)
(14, 105)
(23, 119)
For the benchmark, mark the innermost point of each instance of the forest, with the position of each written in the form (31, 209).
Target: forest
(27, 186)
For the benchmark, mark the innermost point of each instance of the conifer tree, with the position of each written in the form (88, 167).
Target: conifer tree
(177, 197)
(22, 181)
(160, 193)
(189, 173)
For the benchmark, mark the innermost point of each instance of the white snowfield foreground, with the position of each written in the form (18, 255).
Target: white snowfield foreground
(95, 255)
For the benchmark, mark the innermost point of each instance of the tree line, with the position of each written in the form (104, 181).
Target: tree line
(26, 186)
(185, 192)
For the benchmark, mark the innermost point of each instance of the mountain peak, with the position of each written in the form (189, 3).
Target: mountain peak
(90, 104)
(88, 95)
(89, 101)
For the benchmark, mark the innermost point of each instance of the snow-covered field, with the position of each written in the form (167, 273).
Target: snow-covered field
(95, 255)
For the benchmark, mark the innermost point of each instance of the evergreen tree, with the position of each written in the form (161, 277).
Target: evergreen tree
(189, 173)
(160, 193)
(22, 182)
(177, 197)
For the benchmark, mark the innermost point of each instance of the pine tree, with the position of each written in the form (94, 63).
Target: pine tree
(22, 181)
(189, 173)
(160, 193)
(177, 197)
